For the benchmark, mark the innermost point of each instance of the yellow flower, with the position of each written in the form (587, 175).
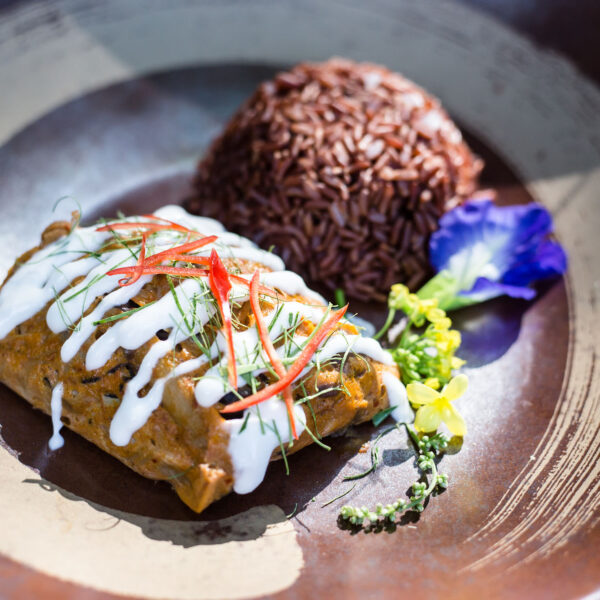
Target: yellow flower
(457, 363)
(434, 314)
(442, 324)
(436, 407)
(432, 382)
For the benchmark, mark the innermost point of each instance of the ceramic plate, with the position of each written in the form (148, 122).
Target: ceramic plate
(520, 516)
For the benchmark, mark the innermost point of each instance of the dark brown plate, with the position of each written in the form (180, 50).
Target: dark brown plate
(132, 147)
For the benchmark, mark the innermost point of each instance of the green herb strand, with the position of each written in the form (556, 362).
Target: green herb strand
(123, 314)
(428, 448)
(338, 497)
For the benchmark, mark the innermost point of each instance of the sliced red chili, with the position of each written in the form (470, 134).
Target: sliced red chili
(179, 251)
(191, 258)
(138, 269)
(162, 270)
(263, 289)
(201, 260)
(267, 343)
(157, 218)
(220, 285)
(296, 368)
(186, 272)
(146, 226)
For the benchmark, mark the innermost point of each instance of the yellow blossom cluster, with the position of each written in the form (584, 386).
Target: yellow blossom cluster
(427, 360)
(432, 353)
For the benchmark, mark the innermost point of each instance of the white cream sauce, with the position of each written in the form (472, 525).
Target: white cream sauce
(266, 428)
(339, 343)
(368, 329)
(56, 441)
(50, 274)
(254, 254)
(290, 283)
(68, 309)
(48, 271)
(398, 398)
(86, 326)
(133, 412)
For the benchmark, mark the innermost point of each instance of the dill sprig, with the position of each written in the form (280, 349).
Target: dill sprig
(338, 497)
(123, 314)
(68, 323)
(76, 214)
(283, 454)
(375, 456)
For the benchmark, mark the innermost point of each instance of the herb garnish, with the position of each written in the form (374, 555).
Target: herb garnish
(424, 351)
(123, 314)
(428, 449)
(337, 497)
(425, 355)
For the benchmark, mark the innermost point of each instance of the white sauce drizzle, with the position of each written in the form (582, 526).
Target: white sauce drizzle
(290, 283)
(133, 412)
(55, 267)
(254, 254)
(141, 326)
(36, 282)
(86, 325)
(180, 215)
(338, 344)
(251, 449)
(71, 305)
(398, 398)
(56, 441)
(367, 327)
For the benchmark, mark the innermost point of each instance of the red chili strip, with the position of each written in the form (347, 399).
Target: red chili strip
(191, 258)
(295, 370)
(263, 332)
(220, 285)
(157, 218)
(176, 225)
(137, 270)
(146, 226)
(162, 270)
(186, 272)
(142, 266)
(263, 289)
(179, 251)
(201, 260)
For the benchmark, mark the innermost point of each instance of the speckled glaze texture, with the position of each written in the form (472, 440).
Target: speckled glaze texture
(92, 119)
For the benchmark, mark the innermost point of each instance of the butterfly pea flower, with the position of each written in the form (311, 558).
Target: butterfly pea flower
(436, 407)
(482, 251)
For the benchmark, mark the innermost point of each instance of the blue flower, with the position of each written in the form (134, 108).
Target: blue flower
(482, 251)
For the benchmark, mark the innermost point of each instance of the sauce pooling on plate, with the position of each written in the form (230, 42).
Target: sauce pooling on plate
(93, 270)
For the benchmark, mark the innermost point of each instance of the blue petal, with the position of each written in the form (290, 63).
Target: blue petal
(474, 240)
(547, 260)
(484, 289)
(531, 224)
(458, 229)
(502, 245)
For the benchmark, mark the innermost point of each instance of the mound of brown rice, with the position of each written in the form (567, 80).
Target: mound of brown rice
(345, 169)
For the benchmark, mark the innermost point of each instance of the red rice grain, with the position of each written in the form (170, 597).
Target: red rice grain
(345, 168)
